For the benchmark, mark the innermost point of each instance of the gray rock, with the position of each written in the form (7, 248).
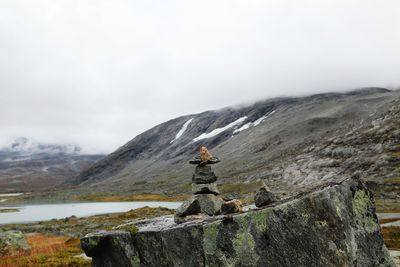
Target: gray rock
(205, 189)
(210, 204)
(204, 175)
(12, 242)
(232, 206)
(334, 225)
(264, 197)
(189, 207)
(191, 218)
(231, 196)
(197, 160)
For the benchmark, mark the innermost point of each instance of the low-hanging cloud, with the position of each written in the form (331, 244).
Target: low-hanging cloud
(96, 73)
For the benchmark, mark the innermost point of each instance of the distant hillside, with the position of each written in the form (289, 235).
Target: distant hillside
(290, 143)
(30, 166)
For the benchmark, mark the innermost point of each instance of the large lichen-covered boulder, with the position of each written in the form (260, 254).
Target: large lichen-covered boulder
(331, 226)
(12, 242)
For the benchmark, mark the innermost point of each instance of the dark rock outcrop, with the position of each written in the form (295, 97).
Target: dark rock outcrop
(335, 225)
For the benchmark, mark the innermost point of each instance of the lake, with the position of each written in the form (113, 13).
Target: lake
(45, 212)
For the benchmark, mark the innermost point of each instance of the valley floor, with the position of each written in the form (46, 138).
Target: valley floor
(56, 242)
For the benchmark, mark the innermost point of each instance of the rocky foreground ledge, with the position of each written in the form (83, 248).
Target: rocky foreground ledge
(331, 226)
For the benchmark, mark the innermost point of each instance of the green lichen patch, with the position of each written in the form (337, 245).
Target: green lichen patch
(8, 210)
(244, 246)
(259, 219)
(131, 228)
(361, 201)
(210, 238)
(243, 243)
(338, 211)
(135, 261)
(362, 205)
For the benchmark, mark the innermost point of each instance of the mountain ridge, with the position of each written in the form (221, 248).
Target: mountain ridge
(26, 165)
(151, 162)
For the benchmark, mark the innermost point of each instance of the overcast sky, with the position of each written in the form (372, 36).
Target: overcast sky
(96, 73)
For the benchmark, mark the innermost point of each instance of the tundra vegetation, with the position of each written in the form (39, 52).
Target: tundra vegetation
(56, 242)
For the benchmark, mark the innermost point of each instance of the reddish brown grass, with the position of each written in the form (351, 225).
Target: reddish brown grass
(47, 250)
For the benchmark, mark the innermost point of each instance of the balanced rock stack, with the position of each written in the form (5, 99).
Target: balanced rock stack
(264, 196)
(205, 199)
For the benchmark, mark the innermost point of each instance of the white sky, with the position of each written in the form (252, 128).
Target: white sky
(96, 73)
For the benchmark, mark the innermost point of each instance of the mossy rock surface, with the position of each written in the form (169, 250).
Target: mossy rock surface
(333, 225)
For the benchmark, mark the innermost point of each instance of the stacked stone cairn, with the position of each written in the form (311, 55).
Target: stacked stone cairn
(264, 196)
(206, 199)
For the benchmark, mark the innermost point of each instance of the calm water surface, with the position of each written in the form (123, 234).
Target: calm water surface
(34, 213)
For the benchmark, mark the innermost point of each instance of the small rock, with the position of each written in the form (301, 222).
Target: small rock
(264, 197)
(12, 242)
(210, 204)
(205, 189)
(188, 207)
(232, 206)
(231, 196)
(378, 148)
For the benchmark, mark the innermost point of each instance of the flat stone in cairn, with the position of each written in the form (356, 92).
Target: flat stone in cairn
(205, 189)
(204, 175)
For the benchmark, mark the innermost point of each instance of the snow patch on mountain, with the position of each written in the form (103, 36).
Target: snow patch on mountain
(182, 130)
(254, 123)
(217, 131)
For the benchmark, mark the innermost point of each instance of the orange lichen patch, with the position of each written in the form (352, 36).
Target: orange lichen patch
(47, 250)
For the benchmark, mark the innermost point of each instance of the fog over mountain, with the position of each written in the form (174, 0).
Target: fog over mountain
(97, 73)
